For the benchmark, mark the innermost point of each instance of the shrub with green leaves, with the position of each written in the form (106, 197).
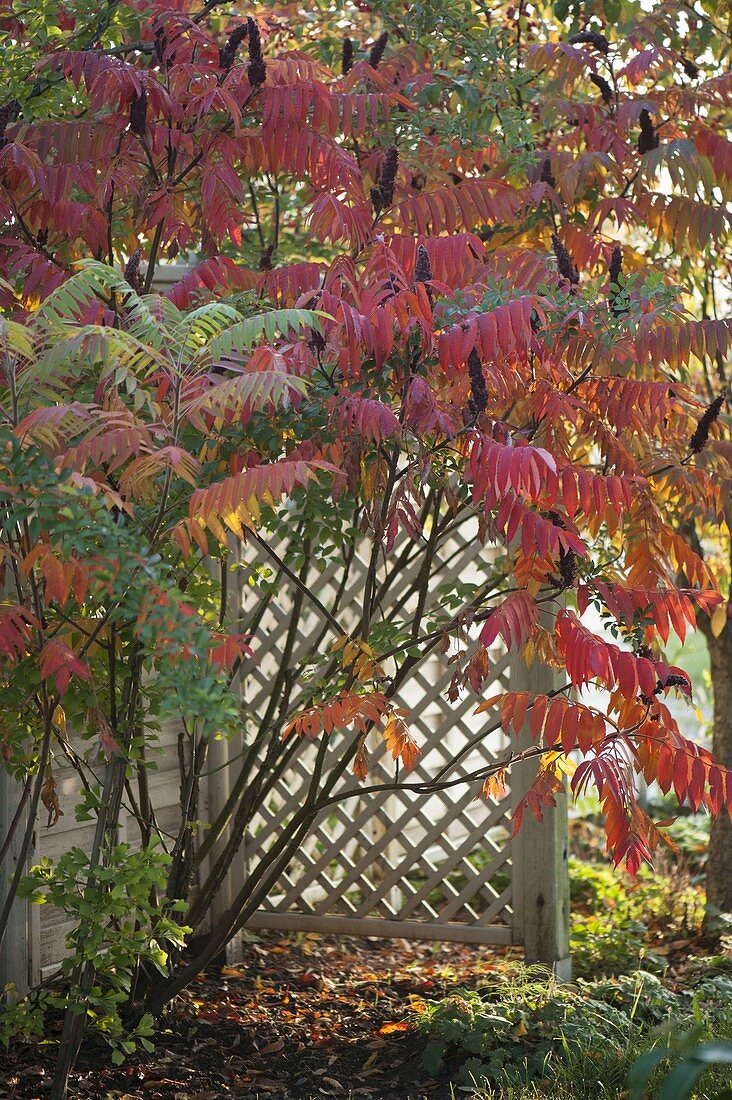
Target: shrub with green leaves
(524, 1027)
(615, 921)
(517, 1029)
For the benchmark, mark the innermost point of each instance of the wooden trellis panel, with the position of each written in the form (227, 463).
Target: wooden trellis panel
(434, 865)
(425, 865)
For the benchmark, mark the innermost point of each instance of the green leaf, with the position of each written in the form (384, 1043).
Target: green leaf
(677, 1085)
(432, 1056)
(246, 334)
(643, 1068)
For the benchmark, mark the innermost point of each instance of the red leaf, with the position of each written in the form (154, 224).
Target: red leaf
(514, 620)
(57, 661)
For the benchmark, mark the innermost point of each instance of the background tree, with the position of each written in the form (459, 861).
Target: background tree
(426, 290)
(667, 73)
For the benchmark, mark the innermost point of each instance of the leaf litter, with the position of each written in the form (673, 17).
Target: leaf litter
(302, 1017)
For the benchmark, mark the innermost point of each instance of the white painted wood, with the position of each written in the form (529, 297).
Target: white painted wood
(51, 926)
(384, 929)
(540, 853)
(15, 956)
(221, 754)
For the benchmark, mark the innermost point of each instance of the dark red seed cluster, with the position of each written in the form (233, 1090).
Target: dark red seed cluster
(590, 38)
(347, 56)
(478, 400)
(132, 271)
(568, 568)
(648, 138)
(257, 68)
(227, 53)
(605, 90)
(160, 43)
(615, 270)
(377, 50)
(422, 268)
(138, 113)
(565, 265)
(265, 260)
(700, 438)
(8, 113)
(547, 176)
(316, 343)
(382, 195)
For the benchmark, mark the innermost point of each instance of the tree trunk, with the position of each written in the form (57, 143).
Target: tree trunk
(719, 864)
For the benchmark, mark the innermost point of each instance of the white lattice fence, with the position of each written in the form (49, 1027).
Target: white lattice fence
(435, 865)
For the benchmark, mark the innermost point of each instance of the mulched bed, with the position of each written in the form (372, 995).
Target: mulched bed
(303, 1017)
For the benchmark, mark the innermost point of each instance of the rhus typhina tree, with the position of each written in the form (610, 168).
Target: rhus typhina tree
(636, 147)
(390, 329)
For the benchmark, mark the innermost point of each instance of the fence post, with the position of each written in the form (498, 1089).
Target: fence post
(16, 960)
(221, 758)
(540, 874)
(20, 953)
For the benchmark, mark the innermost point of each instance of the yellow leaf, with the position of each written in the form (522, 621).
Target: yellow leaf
(529, 652)
(558, 763)
(564, 764)
(488, 704)
(368, 481)
(398, 1025)
(494, 786)
(719, 619)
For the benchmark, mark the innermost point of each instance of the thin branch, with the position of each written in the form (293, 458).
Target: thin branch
(332, 622)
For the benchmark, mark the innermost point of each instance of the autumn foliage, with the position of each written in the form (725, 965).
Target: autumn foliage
(391, 326)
